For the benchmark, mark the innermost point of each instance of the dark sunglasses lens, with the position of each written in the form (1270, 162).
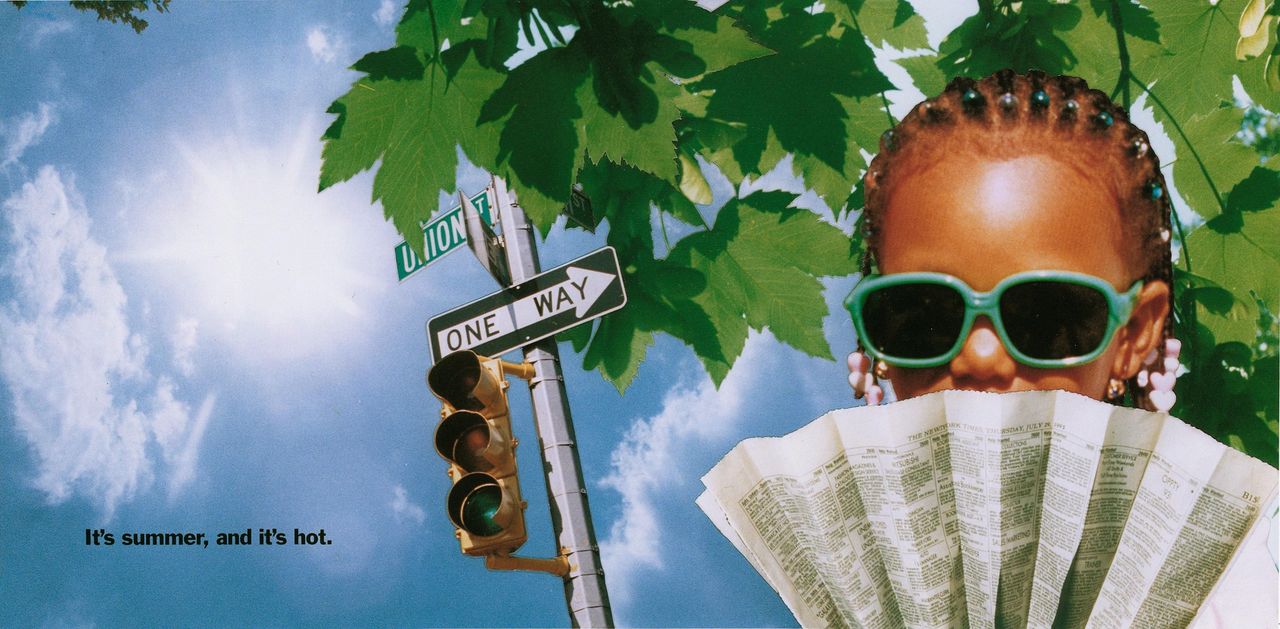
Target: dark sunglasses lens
(913, 320)
(1054, 320)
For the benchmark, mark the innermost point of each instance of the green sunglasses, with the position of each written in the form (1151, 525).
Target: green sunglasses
(1046, 319)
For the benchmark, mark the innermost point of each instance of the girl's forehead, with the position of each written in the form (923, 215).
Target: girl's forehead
(983, 219)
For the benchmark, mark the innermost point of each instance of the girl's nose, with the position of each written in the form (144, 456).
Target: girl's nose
(983, 362)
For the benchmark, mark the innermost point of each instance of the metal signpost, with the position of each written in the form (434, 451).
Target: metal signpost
(527, 314)
(442, 235)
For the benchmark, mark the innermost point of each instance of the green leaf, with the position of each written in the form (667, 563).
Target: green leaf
(813, 79)
(1234, 360)
(623, 195)
(617, 348)
(926, 75)
(1213, 138)
(534, 115)
(1134, 19)
(1194, 74)
(1021, 36)
(398, 63)
(1241, 253)
(413, 126)
(659, 292)
(1259, 191)
(893, 22)
(577, 337)
(605, 95)
(712, 38)
(1094, 42)
(761, 261)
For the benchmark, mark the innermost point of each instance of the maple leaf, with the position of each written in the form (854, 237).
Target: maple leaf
(797, 101)
(1021, 36)
(412, 123)
(892, 22)
(1210, 156)
(761, 260)
(609, 93)
(1194, 73)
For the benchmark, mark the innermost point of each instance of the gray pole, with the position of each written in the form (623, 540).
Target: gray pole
(584, 588)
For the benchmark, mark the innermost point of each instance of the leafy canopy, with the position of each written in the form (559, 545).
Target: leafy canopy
(632, 100)
(115, 11)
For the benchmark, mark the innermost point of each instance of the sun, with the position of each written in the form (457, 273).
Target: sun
(238, 237)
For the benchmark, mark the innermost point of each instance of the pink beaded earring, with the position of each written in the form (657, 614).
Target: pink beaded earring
(863, 380)
(1158, 384)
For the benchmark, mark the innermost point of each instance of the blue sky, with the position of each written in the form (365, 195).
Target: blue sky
(193, 339)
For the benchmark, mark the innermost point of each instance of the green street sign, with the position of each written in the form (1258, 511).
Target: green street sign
(442, 235)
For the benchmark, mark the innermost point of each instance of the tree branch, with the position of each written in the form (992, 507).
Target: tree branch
(1177, 127)
(1122, 83)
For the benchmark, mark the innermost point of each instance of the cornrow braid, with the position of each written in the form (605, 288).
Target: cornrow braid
(1007, 115)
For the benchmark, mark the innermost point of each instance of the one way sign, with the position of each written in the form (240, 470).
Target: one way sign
(539, 307)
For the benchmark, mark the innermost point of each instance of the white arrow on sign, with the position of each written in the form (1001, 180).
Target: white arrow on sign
(579, 293)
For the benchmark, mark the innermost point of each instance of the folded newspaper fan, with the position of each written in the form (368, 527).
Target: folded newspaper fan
(1039, 509)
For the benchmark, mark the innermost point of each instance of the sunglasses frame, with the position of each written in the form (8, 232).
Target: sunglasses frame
(1119, 308)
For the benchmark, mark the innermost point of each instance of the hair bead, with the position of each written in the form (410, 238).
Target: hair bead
(1008, 101)
(1154, 190)
(1069, 110)
(887, 141)
(1139, 148)
(972, 101)
(937, 114)
(1103, 120)
(1039, 99)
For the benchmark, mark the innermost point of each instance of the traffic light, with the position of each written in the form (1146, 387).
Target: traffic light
(475, 437)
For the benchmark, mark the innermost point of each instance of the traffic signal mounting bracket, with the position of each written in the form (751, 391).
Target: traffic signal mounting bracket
(558, 565)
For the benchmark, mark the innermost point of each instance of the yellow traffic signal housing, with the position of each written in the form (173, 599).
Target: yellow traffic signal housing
(474, 436)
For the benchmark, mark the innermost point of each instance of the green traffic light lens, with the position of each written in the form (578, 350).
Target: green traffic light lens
(480, 511)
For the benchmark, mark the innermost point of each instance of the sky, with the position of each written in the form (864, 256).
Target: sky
(193, 339)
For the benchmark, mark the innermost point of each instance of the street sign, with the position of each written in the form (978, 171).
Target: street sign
(579, 209)
(484, 243)
(532, 310)
(443, 235)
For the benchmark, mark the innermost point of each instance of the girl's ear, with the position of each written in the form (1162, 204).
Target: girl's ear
(1144, 331)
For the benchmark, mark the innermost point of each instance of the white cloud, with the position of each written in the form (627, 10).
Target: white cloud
(73, 367)
(178, 433)
(404, 509)
(24, 131)
(183, 340)
(650, 459)
(386, 13)
(325, 45)
(42, 29)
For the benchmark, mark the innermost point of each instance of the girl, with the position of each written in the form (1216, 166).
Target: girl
(1017, 233)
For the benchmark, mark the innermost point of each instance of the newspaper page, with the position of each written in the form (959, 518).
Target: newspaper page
(906, 493)
(1227, 505)
(851, 533)
(1078, 431)
(1180, 466)
(774, 496)
(1126, 448)
(956, 509)
(1246, 594)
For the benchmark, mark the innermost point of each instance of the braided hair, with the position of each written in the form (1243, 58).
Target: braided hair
(1007, 115)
